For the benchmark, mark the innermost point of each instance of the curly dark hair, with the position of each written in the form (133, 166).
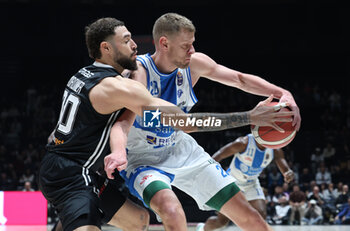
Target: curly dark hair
(98, 32)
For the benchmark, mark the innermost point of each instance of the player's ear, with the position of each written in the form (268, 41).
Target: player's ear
(163, 42)
(104, 46)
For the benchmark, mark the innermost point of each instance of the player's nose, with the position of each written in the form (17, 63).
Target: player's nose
(191, 50)
(133, 44)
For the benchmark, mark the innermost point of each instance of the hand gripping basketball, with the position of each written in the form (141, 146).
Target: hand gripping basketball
(271, 136)
(265, 115)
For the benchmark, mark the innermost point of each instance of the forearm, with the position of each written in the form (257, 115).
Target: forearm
(217, 156)
(258, 86)
(118, 141)
(283, 166)
(118, 138)
(120, 131)
(221, 154)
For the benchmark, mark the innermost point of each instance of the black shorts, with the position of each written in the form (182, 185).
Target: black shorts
(77, 202)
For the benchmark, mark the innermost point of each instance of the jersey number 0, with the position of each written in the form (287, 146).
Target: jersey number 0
(69, 109)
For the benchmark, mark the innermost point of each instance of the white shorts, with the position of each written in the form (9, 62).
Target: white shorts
(251, 191)
(186, 166)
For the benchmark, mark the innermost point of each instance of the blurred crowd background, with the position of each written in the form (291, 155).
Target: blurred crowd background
(299, 45)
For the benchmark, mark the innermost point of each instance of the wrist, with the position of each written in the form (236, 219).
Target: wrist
(284, 93)
(119, 151)
(290, 171)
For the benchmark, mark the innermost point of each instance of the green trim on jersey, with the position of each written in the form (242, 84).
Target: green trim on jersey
(225, 194)
(151, 189)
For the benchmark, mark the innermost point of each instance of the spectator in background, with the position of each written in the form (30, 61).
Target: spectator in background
(313, 214)
(337, 191)
(329, 207)
(282, 212)
(329, 153)
(305, 179)
(343, 196)
(278, 194)
(316, 159)
(308, 192)
(297, 203)
(323, 176)
(327, 192)
(332, 191)
(27, 187)
(343, 216)
(315, 195)
(273, 201)
(27, 176)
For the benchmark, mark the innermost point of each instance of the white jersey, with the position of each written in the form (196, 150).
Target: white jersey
(247, 166)
(176, 88)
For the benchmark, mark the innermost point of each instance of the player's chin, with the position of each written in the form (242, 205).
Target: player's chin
(184, 65)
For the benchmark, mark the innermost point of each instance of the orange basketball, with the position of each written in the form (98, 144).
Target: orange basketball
(271, 138)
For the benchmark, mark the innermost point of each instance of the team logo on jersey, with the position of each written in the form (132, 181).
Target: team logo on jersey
(151, 118)
(179, 79)
(151, 139)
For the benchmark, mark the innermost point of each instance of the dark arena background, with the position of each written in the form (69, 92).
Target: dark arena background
(300, 45)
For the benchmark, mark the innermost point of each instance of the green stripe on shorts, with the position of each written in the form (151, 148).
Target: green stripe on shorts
(151, 189)
(225, 194)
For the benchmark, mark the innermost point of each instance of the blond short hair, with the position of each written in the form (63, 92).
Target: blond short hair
(170, 24)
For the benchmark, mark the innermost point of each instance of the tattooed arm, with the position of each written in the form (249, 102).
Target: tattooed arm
(261, 115)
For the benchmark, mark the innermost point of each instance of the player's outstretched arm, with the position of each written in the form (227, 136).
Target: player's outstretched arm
(118, 140)
(283, 165)
(230, 149)
(203, 65)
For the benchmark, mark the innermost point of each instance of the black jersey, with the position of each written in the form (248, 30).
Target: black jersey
(82, 134)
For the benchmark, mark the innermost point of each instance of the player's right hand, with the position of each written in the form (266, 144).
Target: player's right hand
(288, 176)
(115, 160)
(264, 115)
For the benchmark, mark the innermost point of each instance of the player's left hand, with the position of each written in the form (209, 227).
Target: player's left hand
(288, 176)
(115, 160)
(287, 97)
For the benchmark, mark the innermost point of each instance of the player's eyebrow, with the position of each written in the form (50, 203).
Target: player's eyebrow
(126, 35)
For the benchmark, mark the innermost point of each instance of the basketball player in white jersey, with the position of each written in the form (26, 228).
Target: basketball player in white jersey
(249, 160)
(159, 157)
